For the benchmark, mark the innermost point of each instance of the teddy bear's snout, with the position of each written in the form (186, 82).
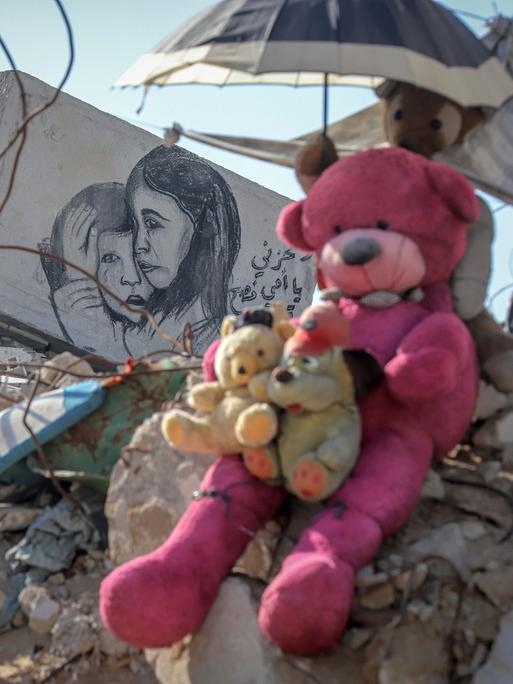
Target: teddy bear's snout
(405, 145)
(282, 375)
(360, 250)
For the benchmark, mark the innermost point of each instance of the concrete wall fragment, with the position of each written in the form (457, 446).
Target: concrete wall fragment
(161, 228)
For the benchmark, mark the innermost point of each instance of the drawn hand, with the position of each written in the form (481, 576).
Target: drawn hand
(77, 296)
(80, 240)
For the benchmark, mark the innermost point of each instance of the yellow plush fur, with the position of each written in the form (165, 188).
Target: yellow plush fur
(228, 416)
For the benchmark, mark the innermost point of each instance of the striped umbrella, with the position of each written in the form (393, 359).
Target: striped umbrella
(339, 42)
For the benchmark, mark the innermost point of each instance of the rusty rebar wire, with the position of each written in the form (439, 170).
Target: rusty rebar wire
(102, 376)
(23, 99)
(39, 110)
(143, 312)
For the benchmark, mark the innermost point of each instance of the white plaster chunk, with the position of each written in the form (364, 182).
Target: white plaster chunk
(499, 666)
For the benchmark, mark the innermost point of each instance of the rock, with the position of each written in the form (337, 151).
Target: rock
(73, 634)
(479, 615)
(41, 610)
(421, 610)
(489, 401)
(150, 488)
(112, 646)
(489, 470)
(433, 487)
(51, 542)
(482, 502)
(499, 666)
(408, 653)
(496, 432)
(19, 619)
(3, 599)
(14, 518)
(449, 542)
(145, 498)
(410, 580)
(367, 577)
(473, 530)
(229, 648)
(357, 637)
(53, 371)
(378, 597)
(497, 585)
(57, 579)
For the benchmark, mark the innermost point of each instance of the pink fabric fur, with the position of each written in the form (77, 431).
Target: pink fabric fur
(418, 414)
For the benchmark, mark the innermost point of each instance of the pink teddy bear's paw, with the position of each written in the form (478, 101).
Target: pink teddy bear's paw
(306, 608)
(149, 603)
(422, 375)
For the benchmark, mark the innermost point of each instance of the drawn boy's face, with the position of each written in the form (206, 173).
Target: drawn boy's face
(162, 234)
(118, 270)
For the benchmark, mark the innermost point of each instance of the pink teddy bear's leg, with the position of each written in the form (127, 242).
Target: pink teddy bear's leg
(156, 600)
(305, 609)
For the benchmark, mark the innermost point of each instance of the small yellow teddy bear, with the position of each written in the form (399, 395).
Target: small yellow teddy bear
(232, 415)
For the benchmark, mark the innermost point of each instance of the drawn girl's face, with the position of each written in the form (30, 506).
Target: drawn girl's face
(162, 234)
(118, 270)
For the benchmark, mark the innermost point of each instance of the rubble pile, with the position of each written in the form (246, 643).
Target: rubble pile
(435, 606)
(432, 608)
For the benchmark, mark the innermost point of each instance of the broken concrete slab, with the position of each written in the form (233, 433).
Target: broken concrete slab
(150, 488)
(84, 165)
(499, 666)
(42, 611)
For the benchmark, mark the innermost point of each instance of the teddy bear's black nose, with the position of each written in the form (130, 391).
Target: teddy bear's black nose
(360, 250)
(282, 375)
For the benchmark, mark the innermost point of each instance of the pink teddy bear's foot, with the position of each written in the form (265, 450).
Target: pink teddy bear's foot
(156, 600)
(306, 608)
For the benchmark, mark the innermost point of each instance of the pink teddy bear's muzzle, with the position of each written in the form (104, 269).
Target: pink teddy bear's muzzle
(363, 260)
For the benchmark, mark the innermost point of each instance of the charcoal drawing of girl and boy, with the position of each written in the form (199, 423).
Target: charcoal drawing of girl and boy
(167, 241)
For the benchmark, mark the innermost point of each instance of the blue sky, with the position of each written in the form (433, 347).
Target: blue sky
(111, 34)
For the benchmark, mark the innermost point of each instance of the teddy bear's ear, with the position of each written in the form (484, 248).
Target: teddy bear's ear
(314, 157)
(366, 370)
(285, 329)
(290, 228)
(455, 190)
(281, 321)
(228, 325)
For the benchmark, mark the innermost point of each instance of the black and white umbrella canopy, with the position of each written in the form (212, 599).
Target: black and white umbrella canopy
(356, 42)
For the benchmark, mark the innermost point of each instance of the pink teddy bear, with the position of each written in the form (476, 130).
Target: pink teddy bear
(387, 228)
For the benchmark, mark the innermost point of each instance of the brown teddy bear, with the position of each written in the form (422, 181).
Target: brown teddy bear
(424, 122)
(230, 417)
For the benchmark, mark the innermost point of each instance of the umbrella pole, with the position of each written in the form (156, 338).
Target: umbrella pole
(325, 107)
(325, 157)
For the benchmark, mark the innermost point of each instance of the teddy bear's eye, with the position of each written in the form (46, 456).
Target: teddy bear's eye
(382, 224)
(260, 352)
(337, 230)
(398, 114)
(436, 124)
(310, 362)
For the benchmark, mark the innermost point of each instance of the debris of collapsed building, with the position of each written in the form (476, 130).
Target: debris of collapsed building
(435, 605)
